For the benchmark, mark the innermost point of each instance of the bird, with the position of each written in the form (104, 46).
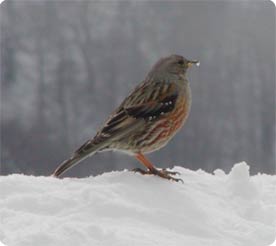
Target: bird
(146, 120)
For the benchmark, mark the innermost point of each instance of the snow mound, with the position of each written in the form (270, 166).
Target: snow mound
(124, 208)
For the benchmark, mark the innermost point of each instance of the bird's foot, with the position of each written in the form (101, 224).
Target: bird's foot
(170, 172)
(163, 173)
(139, 170)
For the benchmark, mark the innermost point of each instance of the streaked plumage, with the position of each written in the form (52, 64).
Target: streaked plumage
(147, 119)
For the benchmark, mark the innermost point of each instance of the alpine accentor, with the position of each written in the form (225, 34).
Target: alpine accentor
(147, 119)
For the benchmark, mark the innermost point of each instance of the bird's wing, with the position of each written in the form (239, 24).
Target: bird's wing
(146, 102)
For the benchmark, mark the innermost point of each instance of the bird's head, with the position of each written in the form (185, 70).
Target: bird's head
(171, 65)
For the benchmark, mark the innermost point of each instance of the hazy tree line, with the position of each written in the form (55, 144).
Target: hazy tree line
(66, 65)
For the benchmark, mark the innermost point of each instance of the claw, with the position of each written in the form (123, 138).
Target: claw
(139, 170)
(166, 176)
(178, 180)
(170, 172)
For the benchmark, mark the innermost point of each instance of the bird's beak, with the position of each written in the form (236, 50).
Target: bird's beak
(192, 62)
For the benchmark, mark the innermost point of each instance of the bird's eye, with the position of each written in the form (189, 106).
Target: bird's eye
(181, 62)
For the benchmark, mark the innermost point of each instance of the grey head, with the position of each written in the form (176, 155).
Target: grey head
(173, 65)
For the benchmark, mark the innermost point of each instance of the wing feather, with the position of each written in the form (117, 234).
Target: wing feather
(146, 102)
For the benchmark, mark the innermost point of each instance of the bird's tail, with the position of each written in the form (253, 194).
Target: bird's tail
(64, 166)
(86, 150)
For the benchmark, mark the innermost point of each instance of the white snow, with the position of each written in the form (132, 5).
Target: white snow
(124, 208)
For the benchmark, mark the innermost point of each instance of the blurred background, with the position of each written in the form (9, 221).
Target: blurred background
(66, 65)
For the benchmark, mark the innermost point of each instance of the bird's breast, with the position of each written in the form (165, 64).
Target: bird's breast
(178, 116)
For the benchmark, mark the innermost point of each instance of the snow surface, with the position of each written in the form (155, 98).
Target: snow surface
(124, 208)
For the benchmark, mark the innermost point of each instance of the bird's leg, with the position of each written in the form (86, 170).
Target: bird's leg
(153, 170)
